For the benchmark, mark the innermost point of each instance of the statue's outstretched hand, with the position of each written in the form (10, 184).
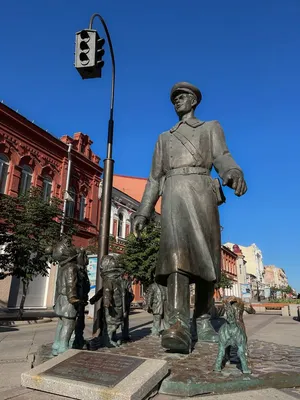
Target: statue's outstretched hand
(139, 224)
(235, 180)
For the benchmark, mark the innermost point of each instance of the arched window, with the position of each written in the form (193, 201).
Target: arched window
(82, 208)
(70, 210)
(47, 187)
(25, 182)
(120, 225)
(4, 162)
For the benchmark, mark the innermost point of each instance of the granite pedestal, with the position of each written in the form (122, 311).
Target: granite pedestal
(97, 375)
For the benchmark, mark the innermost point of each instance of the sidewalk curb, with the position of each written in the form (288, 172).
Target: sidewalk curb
(16, 323)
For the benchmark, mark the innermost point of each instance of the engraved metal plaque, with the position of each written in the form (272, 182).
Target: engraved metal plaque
(98, 368)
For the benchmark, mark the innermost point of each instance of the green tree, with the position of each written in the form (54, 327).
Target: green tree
(224, 283)
(140, 256)
(28, 226)
(288, 290)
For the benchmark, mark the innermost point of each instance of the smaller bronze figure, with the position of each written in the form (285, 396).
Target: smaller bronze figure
(113, 298)
(232, 334)
(128, 298)
(156, 304)
(83, 288)
(67, 300)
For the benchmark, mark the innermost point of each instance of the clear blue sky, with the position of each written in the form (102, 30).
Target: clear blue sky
(243, 55)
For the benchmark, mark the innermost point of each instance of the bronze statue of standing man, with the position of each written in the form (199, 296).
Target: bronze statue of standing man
(190, 245)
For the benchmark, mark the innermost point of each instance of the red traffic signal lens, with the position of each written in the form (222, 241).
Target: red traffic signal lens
(84, 35)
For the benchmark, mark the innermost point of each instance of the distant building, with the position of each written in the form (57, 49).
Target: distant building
(275, 277)
(229, 267)
(241, 266)
(254, 260)
(134, 187)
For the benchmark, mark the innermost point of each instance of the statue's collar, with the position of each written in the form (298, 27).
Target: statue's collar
(192, 122)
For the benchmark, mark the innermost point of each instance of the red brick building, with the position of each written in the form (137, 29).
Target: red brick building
(229, 267)
(30, 156)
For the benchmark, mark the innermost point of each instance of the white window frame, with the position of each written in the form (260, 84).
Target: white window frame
(47, 188)
(82, 206)
(26, 178)
(4, 165)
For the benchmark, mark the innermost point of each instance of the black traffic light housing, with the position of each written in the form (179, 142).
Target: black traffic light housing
(88, 53)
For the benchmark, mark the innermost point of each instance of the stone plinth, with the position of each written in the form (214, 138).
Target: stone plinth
(272, 366)
(97, 375)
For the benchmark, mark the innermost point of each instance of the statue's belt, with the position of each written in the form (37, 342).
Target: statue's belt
(216, 186)
(187, 171)
(181, 171)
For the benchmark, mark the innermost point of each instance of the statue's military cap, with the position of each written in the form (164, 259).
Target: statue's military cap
(185, 87)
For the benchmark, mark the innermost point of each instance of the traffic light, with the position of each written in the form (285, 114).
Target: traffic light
(88, 53)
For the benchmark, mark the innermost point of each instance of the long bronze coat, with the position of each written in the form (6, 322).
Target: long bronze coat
(190, 227)
(66, 290)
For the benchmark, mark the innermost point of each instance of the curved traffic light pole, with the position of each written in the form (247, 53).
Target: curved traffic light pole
(103, 243)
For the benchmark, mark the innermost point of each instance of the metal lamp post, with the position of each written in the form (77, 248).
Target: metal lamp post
(88, 62)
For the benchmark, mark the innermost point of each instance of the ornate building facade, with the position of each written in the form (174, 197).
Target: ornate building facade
(254, 258)
(229, 267)
(275, 277)
(30, 156)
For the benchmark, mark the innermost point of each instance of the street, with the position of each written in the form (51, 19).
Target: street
(18, 344)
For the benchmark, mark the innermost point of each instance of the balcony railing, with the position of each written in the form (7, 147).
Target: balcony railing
(121, 240)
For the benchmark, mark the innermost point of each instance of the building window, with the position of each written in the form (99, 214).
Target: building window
(115, 227)
(82, 208)
(127, 232)
(4, 162)
(47, 187)
(70, 209)
(25, 182)
(141, 290)
(120, 225)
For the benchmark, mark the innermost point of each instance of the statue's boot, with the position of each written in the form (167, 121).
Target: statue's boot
(177, 337)
(203, 330)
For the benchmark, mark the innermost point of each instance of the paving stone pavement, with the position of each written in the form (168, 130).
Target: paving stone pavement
(264, 394)
(272, 365)
(272, 330)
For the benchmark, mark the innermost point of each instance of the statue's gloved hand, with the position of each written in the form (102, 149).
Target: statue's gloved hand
(235, 180)
(139, 224)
